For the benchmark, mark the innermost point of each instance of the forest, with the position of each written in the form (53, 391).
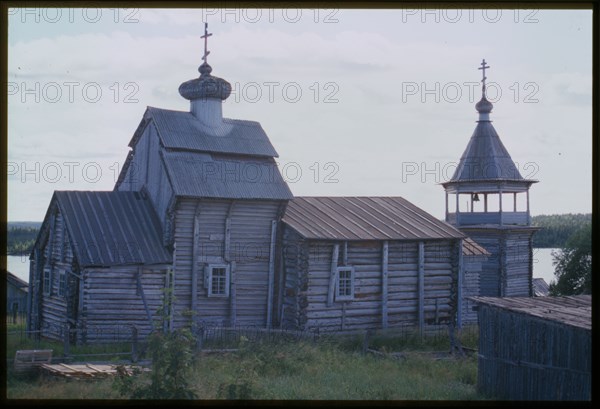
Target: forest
(21, 237)
(557, 228)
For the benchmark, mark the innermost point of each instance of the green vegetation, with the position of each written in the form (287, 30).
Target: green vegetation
(21, 237)
(574, 264)
(333, 368)
(16, 339)
(557, 228)
(172, 362)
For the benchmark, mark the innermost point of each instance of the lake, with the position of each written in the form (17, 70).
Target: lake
(542, 265)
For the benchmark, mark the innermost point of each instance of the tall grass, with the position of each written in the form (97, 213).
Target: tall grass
(299, 370)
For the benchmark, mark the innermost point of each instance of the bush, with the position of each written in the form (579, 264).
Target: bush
(172, 362)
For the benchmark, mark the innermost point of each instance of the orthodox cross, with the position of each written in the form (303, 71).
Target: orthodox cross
(205, 37)
(483, 68)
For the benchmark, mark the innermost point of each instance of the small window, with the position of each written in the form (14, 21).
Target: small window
(47, 285)
(217, 280)
(62, 283)
(345, 284)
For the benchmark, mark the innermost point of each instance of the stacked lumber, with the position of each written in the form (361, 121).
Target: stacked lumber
(89, 371)
(29, 359)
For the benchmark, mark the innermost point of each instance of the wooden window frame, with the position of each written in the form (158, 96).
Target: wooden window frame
(344, 297)
(47, 281)
(208, 280)
(62, 283)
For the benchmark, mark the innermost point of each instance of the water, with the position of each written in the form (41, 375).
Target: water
(19, 266)
(542, 265)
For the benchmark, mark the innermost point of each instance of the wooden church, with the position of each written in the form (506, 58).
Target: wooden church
(201, 229)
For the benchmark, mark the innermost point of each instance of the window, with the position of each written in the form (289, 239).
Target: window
(62, 283)
(216, 280)
(345, 284)
(47, 285)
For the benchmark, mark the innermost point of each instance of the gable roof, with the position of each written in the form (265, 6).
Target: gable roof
(574, 310)
(224, 176)
(181, 130)
(540, 287)
(16, 281)
(364, 218)
(485, 158)
(111, 228)
(471, 248)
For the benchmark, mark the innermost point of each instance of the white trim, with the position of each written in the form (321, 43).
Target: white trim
(47, 287)
(208, 276)
(339, 297)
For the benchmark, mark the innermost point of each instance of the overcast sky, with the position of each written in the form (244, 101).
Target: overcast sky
(370, 102)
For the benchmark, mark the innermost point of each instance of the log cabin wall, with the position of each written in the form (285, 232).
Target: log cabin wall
(236, 233)
(308, 267)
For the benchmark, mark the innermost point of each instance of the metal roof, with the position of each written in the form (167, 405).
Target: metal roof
(364, 218)
(16, 281)
(183, 131)
(208, 175)
(540, 287)
(471, 248)
(486, 158)
(575, 311)
(112, 228)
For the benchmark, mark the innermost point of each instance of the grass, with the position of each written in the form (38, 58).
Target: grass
(301, 370)
(16, 340)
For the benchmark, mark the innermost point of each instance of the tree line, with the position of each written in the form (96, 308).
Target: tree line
(21, 237)
(557, 228)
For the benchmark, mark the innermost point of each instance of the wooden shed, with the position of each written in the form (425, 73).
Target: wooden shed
(98, 266)
(535, 348)
(16, 295)
(353, 263)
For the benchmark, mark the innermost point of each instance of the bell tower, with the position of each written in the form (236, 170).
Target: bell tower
(488, 199)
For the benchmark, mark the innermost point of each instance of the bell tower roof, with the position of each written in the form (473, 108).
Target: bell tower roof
(485, 158)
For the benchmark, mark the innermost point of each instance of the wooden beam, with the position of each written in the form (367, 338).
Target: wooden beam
(460, 285)
(457, 211)
(421, 287)
(500, 206)
(172, 287)
(227, 233)
(271, 274)
(333, 274)
(232, 295)
(345, 253)
(140, 290)
(195, 256)
(446, 205)
(384, 285)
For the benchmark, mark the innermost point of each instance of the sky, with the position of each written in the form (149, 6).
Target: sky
(356, 102)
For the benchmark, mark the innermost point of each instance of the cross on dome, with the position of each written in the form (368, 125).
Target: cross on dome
(483, 68)
(205, 37)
